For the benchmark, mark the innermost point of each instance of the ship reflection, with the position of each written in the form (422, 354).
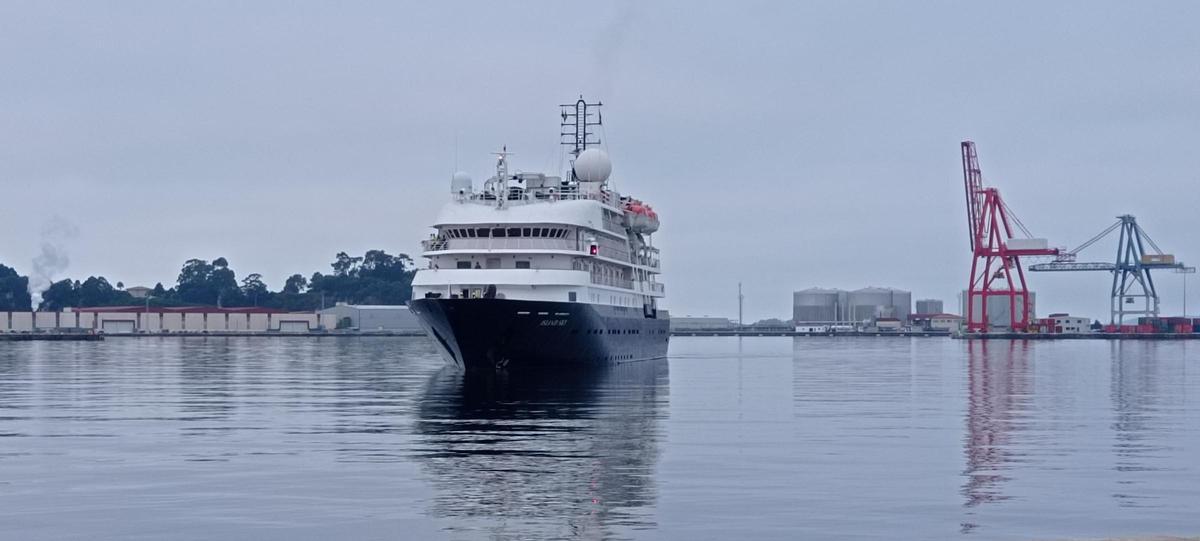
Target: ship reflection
(999, 380)
(543, 455)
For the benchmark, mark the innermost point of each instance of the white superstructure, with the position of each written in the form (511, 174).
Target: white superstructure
(530, 236)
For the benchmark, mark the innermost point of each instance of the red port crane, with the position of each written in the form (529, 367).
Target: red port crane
(996, 264)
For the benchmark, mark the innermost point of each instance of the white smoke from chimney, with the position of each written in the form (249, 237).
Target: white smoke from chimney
(52, 259)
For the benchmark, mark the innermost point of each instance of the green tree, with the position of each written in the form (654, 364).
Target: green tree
(254, 290)
(193, 286)
(295, 285)
(14, 291)
(97, 291)
(60, 294)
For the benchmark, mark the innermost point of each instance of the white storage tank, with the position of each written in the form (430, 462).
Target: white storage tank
(999, 313)
(818, 305)
(875, 302)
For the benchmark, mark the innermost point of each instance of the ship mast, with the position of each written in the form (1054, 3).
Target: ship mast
(576, 125)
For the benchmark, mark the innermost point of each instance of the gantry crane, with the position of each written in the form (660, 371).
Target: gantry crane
(1131, 271)
(995, 265)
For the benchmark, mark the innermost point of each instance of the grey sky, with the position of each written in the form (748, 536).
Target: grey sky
(783, 145)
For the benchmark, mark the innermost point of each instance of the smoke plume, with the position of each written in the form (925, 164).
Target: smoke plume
(52, 259)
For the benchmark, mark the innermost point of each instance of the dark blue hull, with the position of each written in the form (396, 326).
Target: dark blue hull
(503, 333)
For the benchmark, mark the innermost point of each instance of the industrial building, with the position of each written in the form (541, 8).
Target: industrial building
(373, 317)
(1065, 323)
(999, 312)
(689, 323)
(929, 306)
(833, 306)
(141, 319)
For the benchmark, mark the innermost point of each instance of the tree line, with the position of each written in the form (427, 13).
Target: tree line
(376, 277)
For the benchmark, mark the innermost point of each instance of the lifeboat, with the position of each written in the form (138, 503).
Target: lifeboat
(641, 218)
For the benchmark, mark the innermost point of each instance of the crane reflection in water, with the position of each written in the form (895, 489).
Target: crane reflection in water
(561, 454)
(999, 378)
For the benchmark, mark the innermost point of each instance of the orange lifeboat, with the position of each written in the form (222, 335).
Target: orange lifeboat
(641, 218)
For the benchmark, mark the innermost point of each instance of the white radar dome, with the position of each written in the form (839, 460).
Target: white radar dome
(460, 183)
(593, 165)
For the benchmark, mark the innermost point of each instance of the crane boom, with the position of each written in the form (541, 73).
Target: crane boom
(996, 265)
(973, 188)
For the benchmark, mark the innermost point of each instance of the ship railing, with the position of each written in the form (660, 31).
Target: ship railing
(434, 245)
(568, 193)
(613, 281)
(656, 287)
(501, 243)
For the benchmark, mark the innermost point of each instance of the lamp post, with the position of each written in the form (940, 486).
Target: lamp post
(1185, 271)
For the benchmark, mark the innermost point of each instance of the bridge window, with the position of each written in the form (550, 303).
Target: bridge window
(482, 232)
(464, 264)
(499, 232)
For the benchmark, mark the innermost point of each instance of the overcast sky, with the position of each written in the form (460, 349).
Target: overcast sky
(785, 145)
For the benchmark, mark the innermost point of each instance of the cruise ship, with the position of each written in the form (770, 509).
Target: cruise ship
(531, 269)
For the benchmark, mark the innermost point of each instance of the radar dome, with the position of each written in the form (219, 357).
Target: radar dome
(593, 165)
(460, 183)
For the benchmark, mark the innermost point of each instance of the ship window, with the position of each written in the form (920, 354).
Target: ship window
(537, 231)
(514, 231)
(571, 296)
(498, 232)
(525, 232)
(522, 264)
(471, 233)
(482, 232)
(464, 264)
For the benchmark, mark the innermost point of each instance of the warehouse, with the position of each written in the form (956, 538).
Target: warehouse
(689, 323)
(153, 319)
(372, 317)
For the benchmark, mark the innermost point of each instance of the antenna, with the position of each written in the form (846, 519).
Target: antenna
(576, 121)
(502, 175)
(740, 298)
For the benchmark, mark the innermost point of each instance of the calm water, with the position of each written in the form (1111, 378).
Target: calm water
(755, 438)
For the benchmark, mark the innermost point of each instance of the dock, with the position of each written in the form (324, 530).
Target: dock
(840, 334)
(1077, 336)
(50, 337)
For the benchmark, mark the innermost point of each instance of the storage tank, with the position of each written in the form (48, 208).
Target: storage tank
(930, 306)
(818, 305)
(874, 302)
(999, 316)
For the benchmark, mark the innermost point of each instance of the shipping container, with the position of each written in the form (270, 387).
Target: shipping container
(1128, 329)
(1027, 244)
(1161, 259)
(1112, 328)
(1183, 328)
(1146, 329)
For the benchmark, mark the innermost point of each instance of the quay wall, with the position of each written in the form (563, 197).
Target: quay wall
(163, 322)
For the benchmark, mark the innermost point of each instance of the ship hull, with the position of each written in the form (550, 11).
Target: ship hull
(505, 333)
